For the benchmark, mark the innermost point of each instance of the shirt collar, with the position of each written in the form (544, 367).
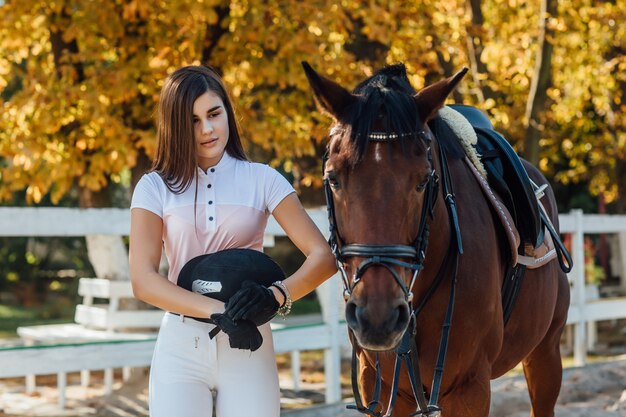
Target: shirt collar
(225, 162)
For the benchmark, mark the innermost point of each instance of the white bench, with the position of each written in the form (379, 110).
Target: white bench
(101, 317)
(109, 316)
(95, 323)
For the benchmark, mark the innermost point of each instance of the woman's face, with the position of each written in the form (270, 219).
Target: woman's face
(210, 123)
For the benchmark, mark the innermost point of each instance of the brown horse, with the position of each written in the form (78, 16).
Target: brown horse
(383, 162)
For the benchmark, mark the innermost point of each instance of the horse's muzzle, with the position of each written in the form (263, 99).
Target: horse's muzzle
(377, 326)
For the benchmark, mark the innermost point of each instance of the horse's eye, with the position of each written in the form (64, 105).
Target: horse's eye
(422, 186)
(332, 180)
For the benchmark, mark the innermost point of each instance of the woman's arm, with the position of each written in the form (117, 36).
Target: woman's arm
(146, 230)
(320, 262)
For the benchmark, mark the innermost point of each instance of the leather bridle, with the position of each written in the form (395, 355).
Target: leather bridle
(413, 255)
(385, 255)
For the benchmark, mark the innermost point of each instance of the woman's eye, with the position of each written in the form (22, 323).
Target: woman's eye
(213, 115)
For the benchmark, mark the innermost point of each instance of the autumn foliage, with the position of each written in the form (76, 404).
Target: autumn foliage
(79, 79)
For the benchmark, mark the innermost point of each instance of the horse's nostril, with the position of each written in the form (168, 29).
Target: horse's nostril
(351, 318)
(402, 314)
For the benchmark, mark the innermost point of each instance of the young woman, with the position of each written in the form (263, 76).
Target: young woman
(203, 196)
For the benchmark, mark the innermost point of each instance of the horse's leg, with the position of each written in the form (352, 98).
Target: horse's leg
(543, 368)
(468, 399)
(543, 371)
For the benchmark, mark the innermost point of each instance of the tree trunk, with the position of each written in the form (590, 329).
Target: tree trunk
(541, 81)
(620, 174)
(107, 253)
(475, 47)
(616, 124)
(142, 166)
(214, 33)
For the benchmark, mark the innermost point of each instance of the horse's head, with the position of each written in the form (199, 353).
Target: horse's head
(380, 182)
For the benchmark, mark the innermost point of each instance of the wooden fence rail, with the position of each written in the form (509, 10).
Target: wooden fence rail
(29, 221)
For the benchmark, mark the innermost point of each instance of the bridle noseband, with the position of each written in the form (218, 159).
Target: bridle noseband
(385, 255)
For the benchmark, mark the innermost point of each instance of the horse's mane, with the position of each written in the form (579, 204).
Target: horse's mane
(389, 92)
(446, 138)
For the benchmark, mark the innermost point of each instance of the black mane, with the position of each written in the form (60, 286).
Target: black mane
(387, 93)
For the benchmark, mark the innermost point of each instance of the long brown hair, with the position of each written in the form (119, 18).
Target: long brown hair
(176, 159)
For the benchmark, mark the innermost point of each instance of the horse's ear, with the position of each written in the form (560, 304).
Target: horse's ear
(330, 96)
(431, 98)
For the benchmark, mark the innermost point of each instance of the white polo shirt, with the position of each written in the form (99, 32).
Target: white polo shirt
(234, 201)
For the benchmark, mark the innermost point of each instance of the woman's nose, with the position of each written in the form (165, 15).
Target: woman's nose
(207, 127)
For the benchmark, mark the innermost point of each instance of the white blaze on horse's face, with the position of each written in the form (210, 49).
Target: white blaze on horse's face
(377, 153)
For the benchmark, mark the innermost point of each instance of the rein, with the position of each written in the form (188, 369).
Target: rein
(385, 255)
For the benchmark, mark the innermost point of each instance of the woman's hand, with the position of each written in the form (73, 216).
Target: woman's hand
(242, 334)
(252, 302)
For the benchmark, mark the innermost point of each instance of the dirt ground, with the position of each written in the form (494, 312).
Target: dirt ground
(596, 390)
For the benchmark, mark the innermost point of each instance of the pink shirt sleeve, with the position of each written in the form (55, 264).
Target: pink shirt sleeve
(148, 194)
(276, 189)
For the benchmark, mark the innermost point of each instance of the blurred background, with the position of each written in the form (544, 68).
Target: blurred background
(79, 83)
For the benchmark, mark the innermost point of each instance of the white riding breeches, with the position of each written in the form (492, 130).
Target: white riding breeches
(188, 367)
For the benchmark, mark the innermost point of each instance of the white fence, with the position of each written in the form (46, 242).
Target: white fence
(40, 360)
(583, 311)
(27, 221)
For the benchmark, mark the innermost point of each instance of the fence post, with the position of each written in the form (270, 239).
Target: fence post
(578, 277)
(332, 355)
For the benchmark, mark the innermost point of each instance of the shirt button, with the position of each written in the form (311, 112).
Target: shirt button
(211, 218)
(212, 169)
(210, 202)
(208, 186)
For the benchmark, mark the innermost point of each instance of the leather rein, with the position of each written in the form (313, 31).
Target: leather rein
(413, 258)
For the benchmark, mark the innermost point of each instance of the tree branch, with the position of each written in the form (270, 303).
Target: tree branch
(214, 33)
(541, 81)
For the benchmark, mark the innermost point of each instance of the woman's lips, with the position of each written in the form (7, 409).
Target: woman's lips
(209, 142)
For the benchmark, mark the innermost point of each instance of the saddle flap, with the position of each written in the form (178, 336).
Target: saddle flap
(506, 175)
(516, 179)
(532, 257)
(501, 211)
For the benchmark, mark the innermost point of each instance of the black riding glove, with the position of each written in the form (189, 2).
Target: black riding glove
(252, 302)
(242, 334)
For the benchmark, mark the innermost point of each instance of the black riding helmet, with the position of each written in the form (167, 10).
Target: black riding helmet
(219, 275)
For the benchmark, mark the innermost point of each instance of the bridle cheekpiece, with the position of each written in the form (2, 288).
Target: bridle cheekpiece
(385, 255)
(413, 258)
